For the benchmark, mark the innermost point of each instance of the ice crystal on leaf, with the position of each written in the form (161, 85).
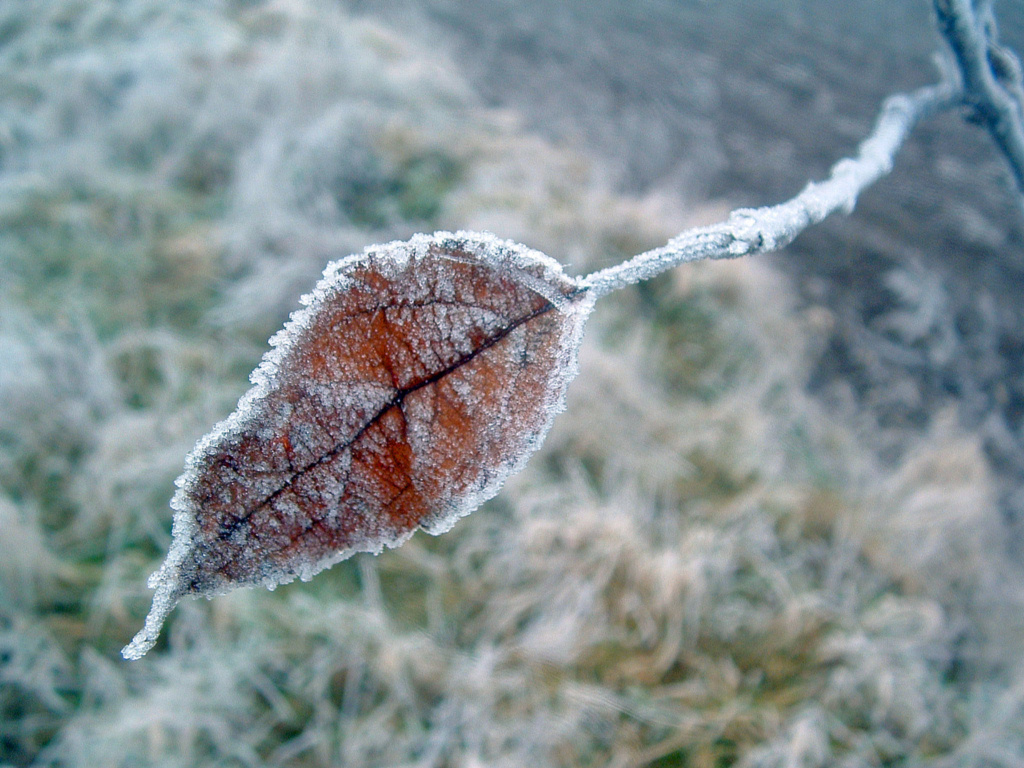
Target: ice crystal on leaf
(417, 378)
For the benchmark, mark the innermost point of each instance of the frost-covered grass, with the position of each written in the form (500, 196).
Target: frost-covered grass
(701, 567)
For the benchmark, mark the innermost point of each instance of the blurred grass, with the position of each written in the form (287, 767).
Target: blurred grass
(700, 568)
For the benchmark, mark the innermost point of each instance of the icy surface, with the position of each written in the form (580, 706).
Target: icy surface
(418, 376)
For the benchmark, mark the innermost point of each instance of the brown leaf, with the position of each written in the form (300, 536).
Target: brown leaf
(417, 379)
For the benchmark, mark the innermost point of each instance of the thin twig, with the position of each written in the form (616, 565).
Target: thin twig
(991, 77)
(749, 231)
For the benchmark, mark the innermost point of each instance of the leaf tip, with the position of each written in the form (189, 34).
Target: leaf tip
(167, 596)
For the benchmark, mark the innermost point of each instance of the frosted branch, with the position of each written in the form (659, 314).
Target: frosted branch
(991, 76)
(750, 231)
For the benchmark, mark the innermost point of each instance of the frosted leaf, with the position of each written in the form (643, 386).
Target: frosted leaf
(417, 378)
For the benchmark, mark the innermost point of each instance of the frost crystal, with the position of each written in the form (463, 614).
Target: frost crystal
(417, 378)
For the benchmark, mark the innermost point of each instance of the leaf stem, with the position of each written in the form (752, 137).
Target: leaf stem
(750, 231)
